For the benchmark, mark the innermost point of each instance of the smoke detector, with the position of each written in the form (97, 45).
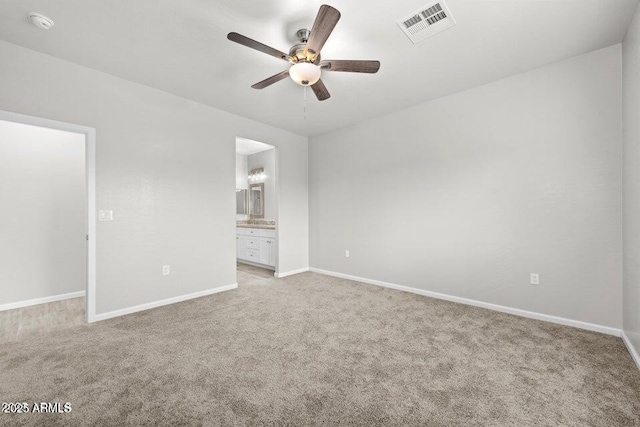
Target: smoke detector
(40, 21)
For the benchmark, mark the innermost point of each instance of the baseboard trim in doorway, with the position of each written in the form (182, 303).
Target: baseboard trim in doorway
(150, 305)
(632, 350)
(37, 301)
(255, 264)
(501, 308)
(291, 272)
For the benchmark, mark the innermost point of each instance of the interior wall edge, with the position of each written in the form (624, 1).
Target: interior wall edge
(631, 188)
(632, 350)
(292, 272)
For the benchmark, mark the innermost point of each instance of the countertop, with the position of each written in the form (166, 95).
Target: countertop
(261, 226)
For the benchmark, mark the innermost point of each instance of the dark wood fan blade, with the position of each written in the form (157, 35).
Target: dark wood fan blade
(326, 20)
(271, 80)
(321, 91)
(246, 41)
(351, 66)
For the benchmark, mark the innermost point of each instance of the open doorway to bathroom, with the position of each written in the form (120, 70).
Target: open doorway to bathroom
(256, 210)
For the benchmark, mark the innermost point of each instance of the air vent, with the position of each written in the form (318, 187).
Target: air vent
(429, 20)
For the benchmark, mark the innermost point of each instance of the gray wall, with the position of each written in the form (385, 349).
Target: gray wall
(43, 215)
(166, 167)
(241, 177)
(631, 141)
(241, 171)
(468, 194)
(267, 160)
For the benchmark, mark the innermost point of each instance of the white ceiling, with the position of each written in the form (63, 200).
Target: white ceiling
(247, 147)
(181, 47)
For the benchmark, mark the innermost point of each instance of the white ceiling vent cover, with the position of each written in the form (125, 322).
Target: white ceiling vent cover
(429, 20)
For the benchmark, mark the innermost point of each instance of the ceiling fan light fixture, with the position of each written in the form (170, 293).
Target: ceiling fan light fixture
(305, 73)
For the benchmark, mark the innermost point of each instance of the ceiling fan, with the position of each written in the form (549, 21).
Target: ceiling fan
(306, 65)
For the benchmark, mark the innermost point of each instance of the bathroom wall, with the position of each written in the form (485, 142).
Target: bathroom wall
(241, 178)
(241, 171)
(267, 160)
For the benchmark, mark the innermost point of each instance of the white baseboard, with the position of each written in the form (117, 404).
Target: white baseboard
(36, 301)
(523, 313)
(149, 305)
(291, 272)
(632, 350)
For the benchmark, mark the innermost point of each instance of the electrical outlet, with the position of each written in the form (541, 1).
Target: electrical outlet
(535, 279)
(166, 269)
(346, 254)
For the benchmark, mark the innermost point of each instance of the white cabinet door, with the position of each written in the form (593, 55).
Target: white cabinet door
(241, 247)
(268, 251)
(272, 252)
(265, 250)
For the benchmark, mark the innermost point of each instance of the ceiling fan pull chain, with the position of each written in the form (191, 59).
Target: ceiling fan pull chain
(304, 105)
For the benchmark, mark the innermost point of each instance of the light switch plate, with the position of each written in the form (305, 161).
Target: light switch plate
(166, 270)
(105, 215)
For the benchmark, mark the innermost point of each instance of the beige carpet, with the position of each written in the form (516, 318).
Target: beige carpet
(314, 350)
(31, 322)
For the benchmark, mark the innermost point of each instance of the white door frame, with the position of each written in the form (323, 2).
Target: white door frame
(277, 195)
(90, 170)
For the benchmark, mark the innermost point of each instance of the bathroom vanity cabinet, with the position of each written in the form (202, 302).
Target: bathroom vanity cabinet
(256, 245)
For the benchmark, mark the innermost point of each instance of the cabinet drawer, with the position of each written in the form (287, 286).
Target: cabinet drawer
(253, 255)
(253, 243)
(268, 233)
(242, 231)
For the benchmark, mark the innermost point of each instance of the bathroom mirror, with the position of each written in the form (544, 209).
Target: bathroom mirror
(241, 201)
(256, 200)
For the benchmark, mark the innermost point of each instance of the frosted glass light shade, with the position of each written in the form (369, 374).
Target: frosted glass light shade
(304, 73)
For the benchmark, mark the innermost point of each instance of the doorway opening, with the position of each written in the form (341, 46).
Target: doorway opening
(256, 210)
(47, 225)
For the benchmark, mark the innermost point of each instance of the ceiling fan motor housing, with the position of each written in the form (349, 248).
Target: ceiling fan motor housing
(303, 35)
(297, 50)
(297, 53)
